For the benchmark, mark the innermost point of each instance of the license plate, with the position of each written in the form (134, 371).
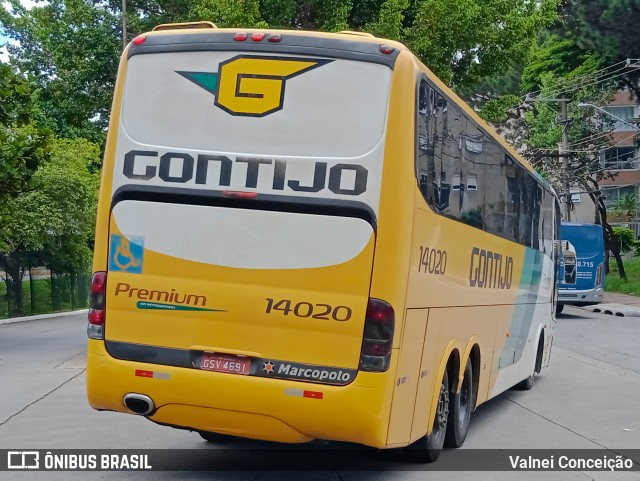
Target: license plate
(225, 363)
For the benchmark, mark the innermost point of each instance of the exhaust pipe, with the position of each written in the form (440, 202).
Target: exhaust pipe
(139, 403)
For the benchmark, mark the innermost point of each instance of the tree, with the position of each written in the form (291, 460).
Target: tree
(467, 41)
(57, 216)
(609, 29)
(70, 48)
(23, 144)
(544, 130)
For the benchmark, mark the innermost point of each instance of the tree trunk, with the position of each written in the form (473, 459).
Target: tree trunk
(610, 244)
(15, 295)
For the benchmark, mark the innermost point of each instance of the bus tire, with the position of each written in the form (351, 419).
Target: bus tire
(460, 407)
(428, 448)
(527, 384)
(559, 308)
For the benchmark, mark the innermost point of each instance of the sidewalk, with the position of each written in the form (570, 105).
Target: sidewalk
(617, 298)
(616, 304)
(12, 320)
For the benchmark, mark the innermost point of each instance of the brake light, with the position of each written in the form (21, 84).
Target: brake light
(239, 195)
(240, 37)
(139, 40)
(386, 49)
(274, 38)
(258, 37)
(377, 341)
(97, 297)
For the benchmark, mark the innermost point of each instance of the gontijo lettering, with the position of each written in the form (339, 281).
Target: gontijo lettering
(139, 166)
(490, 270)
(124, 289)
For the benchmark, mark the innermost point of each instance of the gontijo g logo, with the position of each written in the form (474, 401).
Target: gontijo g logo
(251, 85)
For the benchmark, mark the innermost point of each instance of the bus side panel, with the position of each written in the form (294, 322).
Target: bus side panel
(393, 239)
(101, 246)
(515, 361)
(407, 376)
(450, 329)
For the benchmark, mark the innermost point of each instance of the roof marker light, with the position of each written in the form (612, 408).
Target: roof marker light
(258, 37)
(139, 40)
(386, 49)
(240, 37)
(276, 37)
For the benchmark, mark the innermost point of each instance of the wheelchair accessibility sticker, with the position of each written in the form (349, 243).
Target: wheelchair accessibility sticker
(126, 254)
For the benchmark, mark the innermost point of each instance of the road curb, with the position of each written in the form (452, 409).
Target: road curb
(619, 310)
(13, 320)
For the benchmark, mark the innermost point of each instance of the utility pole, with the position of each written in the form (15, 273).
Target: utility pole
(124, 24)
(563, 150)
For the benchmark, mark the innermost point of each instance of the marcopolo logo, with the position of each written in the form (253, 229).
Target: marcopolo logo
(250, 85)
(306, 372)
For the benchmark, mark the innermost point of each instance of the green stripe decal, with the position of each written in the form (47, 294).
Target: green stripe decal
(172, 307)
(525, 307)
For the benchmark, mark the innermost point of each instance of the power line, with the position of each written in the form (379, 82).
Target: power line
(586, 75)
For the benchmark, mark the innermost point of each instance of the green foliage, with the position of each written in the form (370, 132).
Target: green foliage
(389, 23)
(627, 205)
(23, 144)
(625, 238)
(559, 54)
(59, 214)
(70, 48)
(613, 283)
(229, 13)
(609, 30)
(466, 41)
(495, 110)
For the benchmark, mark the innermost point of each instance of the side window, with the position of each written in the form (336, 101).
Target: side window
(424, 139)
(465, 174)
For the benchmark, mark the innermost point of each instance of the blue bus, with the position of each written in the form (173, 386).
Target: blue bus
(582, 265)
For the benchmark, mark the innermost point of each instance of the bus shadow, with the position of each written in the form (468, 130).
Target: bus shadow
(256, 456)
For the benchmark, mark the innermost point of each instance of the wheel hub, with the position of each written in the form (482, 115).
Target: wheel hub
(443, 407)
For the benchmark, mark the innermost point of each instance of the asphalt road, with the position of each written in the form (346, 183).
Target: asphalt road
(589, 398)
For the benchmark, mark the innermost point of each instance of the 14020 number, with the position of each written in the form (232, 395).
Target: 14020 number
(307, 309)
(432, 261)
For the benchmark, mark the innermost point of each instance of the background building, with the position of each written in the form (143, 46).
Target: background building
(622, 160)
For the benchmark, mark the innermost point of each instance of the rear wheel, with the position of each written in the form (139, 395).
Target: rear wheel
(527, 384)
(460, 408)
(427, 449)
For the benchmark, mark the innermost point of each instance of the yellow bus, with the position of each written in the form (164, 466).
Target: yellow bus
(307, 235)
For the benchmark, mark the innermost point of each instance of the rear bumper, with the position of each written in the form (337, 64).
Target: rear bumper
(580, 298)
(252, 407)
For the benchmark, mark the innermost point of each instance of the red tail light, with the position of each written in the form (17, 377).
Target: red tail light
(97, 296)
(258, 37)
(378, 336)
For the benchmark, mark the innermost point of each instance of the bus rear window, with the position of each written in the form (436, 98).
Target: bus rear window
(256, 104)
